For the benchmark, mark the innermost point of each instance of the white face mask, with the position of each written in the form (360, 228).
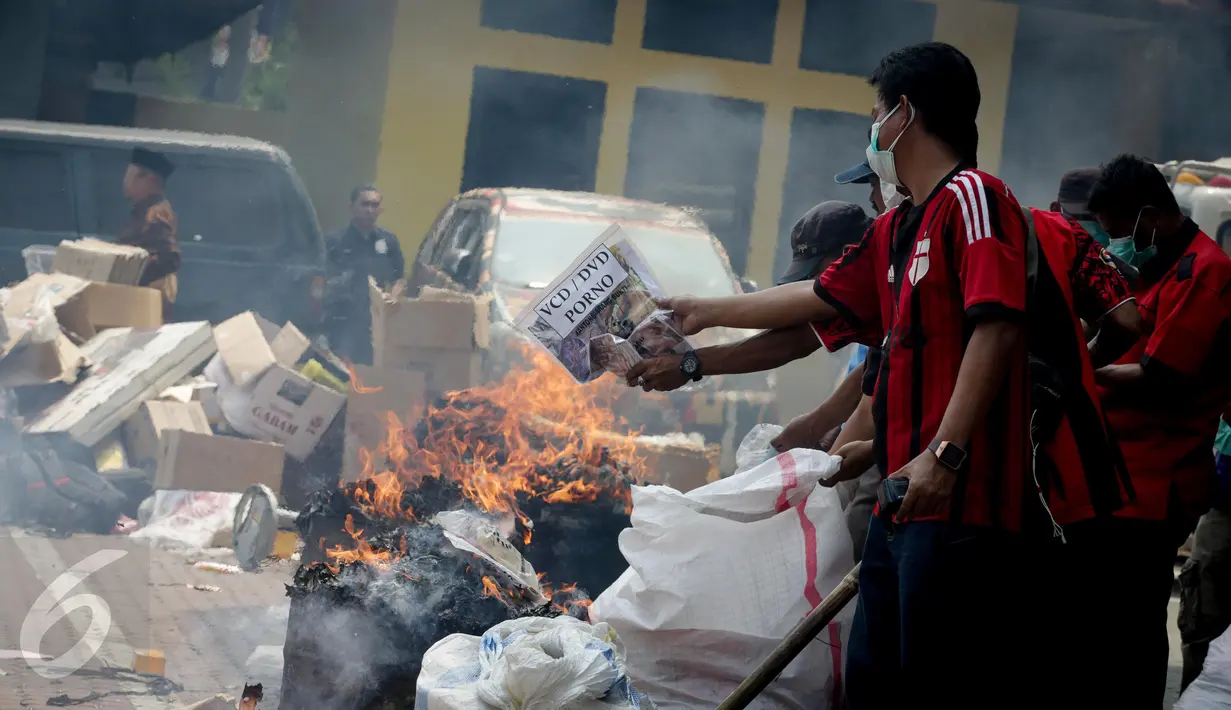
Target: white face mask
(881, 161)
(890, 195)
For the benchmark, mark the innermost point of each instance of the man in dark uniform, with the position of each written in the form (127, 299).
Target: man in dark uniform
(355, 253)
(152, 224)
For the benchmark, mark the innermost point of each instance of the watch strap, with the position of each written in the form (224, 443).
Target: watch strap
(950, 455)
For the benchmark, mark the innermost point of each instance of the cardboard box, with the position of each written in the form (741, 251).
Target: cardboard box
(446, 370)
(680, 466)
(129, 367)
(85, 308)
(292, 410)
(144, 430)
(249, 345)
(189, 461)
(97, 260)
(378, 394)
(441, 319)
(201, 391)
(283, 406)
(243, 348)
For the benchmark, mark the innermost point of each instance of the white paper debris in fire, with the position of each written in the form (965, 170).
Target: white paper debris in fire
(601, 315)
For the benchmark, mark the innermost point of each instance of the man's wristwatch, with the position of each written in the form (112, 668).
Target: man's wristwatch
(949, 454)
(691, 366)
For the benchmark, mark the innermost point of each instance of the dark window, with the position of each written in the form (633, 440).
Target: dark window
(533, 130)
(218, 203)
(35, 188)
(727, 29)
(823, 143)
(851, 37)
(700, 151)
(583, 20)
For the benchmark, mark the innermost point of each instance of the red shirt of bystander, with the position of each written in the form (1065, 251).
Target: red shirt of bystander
(1184, 294)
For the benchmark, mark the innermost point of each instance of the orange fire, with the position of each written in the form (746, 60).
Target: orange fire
(550, 593)
(491, 589)
(541, 417)
(363, 551)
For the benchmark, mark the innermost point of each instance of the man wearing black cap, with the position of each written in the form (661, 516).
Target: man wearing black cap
(152, 223)
(817, 240)
(1073, 200)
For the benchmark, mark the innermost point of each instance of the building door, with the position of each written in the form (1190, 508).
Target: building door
(700, 151)
(533, 130)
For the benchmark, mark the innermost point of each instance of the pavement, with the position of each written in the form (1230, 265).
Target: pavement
(141, 600)
(213, 642)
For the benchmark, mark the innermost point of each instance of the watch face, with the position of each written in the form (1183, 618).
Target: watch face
(689, 364)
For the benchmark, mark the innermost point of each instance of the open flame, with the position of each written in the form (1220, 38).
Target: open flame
(501, 438)
(363, 551)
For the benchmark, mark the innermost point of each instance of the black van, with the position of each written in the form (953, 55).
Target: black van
(247, 229)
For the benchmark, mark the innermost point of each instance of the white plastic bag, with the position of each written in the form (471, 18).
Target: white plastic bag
(1212, 689)
(529, 664)
(186, 521)
(719, 576)
(755, 450)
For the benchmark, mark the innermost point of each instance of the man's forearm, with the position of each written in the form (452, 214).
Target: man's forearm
(1120, 377)
(774, 308)
(1119, 330)
(768, 350)
(983, 370)
(859, 426)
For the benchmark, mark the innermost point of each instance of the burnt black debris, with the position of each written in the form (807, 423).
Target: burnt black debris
(358, 631)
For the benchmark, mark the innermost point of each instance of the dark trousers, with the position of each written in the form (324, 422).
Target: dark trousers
(1117, 578)
(942, 621)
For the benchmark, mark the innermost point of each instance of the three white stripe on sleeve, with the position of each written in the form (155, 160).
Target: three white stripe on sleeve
(968, 187)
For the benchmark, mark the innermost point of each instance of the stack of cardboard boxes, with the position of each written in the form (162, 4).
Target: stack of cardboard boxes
(441, 333)
(422, 348)
(93, 355)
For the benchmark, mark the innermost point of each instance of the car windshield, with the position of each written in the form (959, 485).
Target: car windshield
(532, 252)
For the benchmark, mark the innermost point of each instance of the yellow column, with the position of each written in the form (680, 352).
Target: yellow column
(621, 98)
(427, 111)
(775, 146)
(985, 32)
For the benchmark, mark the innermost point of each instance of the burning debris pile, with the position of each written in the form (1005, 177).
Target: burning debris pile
(494, 491)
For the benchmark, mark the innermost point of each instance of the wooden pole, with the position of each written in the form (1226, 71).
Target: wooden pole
(794, 643)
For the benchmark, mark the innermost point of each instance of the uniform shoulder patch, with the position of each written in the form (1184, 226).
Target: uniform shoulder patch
(1184, 269)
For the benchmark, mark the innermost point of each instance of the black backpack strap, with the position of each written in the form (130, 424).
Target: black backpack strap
(1032, 257)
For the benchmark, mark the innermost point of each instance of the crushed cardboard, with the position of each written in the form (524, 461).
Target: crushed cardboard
(129, 367)
(84, 308)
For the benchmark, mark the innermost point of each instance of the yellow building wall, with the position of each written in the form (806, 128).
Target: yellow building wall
(438, 43)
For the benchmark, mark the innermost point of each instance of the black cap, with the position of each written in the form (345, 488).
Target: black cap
(855, 175)
(1075, 187)
(153, 161)
(824, 231)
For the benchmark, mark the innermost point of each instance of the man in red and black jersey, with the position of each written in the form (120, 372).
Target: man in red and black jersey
(940, 283)
(1163, 399)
